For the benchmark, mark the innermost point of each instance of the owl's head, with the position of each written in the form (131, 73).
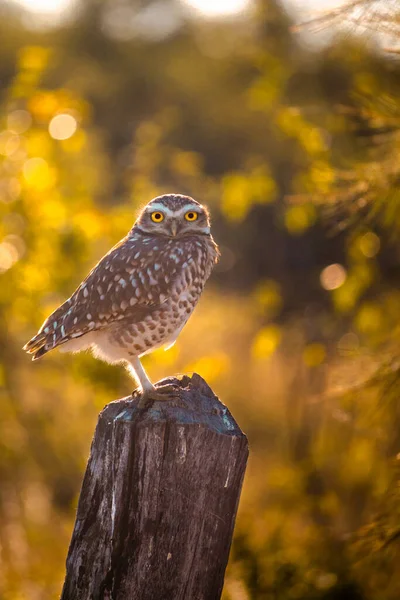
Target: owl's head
(174, 215)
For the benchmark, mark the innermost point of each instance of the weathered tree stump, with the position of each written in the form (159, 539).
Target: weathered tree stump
(159, 499)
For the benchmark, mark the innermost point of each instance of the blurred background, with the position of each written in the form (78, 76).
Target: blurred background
(283, 117)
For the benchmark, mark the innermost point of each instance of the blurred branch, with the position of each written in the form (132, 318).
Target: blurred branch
(395, 536)
(377, 15)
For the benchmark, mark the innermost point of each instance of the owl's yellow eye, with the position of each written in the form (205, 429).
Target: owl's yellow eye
(157, 217)
(191, 215)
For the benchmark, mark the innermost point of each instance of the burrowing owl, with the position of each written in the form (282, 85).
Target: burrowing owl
(141, 294)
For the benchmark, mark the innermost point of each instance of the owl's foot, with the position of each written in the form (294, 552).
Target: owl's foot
(159, 394)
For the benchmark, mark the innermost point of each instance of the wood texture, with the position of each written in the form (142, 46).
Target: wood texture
(159, 498)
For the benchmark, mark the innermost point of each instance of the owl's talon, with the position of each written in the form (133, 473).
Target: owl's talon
(159, 394)
(168, 388)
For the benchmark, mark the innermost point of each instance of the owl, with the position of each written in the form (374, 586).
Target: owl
(141, 294)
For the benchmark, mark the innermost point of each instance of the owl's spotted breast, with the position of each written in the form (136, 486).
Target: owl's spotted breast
(139, 279)
(168, 293)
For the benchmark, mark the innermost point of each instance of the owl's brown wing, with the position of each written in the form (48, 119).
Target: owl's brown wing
(135, 278)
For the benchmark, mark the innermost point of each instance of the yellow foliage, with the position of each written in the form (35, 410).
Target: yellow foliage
(186, 163)
(213, 366)
(314, 355)
(90, 222)
(76, 143)
(269, 298)
(34, 278)
(293, 123)
(369, 318)
(299, 218)
(240, 191)
(266, 341)
(38, 143)
(320, 177)
(33, 58)
(360, 460)
(348, 294)
(235, 198)
(38, 175)
(43, 105)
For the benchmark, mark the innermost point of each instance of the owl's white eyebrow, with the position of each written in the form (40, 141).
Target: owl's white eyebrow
(173, 213)
(187, 208)
(161, 207)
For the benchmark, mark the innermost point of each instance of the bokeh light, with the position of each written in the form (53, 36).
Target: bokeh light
(19, 121)
(9, 190)
(348, 343)
(333, 276)
(10, 252)
(9, 143)
(370, 244)
(62, 127)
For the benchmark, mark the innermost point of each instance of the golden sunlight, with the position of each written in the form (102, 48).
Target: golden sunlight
(54, 7)
(216, 8)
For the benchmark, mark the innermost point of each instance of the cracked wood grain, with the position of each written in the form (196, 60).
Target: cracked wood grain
(159, 499)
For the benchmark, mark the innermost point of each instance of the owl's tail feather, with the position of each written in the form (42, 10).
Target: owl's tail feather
(37, 346)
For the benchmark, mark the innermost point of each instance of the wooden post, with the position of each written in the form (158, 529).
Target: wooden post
(159, 499)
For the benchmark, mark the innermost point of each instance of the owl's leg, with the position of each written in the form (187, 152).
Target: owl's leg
(140, 375)
(148, 393)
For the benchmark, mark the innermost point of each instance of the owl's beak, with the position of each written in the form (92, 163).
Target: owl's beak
(174, 228)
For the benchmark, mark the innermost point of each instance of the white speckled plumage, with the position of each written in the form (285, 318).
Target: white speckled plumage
(141, 294)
